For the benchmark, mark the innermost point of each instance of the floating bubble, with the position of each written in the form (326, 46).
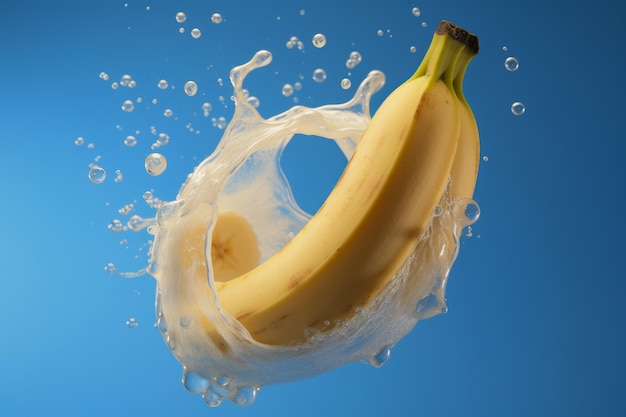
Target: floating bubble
(167, 113)
(116, 226)
(319, 40)
(511, 64)
(104, 76)
(181, 30)
(162, 84)
(132, 323)
(416, 12)
(130, 141)
(155, 164)
(125, 80)
(518, 108)
(216, 18)
(118, 176)
(356, 57)
(380, 32)
(346, 83)
(504, 48)
(195, 33)
(472, 212)
(114, 85)
(79, 141)
(181, 17)
(206, 107)
(297, 86)
(287, 90)
(319, 75)
(128, 106)
(485, 158)
(424, 24)
(97, 174)
(412, 49)
(191, 88)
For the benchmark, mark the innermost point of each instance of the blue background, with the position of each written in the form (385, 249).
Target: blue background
(536, 312)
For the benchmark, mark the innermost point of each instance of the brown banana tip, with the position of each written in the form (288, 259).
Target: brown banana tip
(459, 34)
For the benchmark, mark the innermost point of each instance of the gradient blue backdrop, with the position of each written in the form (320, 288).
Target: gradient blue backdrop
(536, 311)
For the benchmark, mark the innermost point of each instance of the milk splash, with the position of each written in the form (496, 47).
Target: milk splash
(220, 359)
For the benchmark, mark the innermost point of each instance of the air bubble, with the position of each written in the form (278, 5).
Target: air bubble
(206, 107)
(104, 76)
(380, 32)
(287, 90)
(181, 17)
(381, 357)
(504, 48)
(97, 174)
(319, 40)
(518, 108)
(167, 113)
(110, 268)
(511, 64)
(472, 212)
(485, 158)
(132, 323)
(114, 85)
(216, 18)
(297, 86)
(79, 141)
(319, 75)
(128, 106)
(155, 164)
(116, 226)
(191, 88)
(162, 84)
(438, 210)
(416, 12)
(118, 176)
(195, 33)
(412, 49)
(356, 57)
(130, 141)
(346, 83)
(245, 396)
(211, 398)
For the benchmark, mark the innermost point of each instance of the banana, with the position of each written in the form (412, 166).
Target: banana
(374, 217)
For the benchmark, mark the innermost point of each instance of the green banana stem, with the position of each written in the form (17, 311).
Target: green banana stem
(467, 54)
(440, 60)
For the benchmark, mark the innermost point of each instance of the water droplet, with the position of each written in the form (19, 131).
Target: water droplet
(222, 380)
(416, 11)
(128, 106)
(191, 88)
(79, 141)
(97, 174)
(116, 226)
(511, 64)
(381, 357)
(185, 322)
(155, 164)
(167, 113)
(132, 323)
(485, 158)
(211, 398)
(319, 75)
(319, 40)
(518, 108)
(181, 17)
(130, 141)
(245, 396)
(162, 84)
(110, 268)
(424, 24)
(346, 83)
(472, 212)
(193, 382)
(287, 90)
(195, 33)
(504, 48)
(380, 32)
(412, 49)
(216, 18)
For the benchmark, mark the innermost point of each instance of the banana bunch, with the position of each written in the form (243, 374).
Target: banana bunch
(422, 141)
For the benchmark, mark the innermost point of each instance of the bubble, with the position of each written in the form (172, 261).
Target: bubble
(118, 176)
(130, 141)
(167, 113)
(216, 18)
(416, 11)
(181, 30)
(104, 76)
(221, 122)
(195, 33)
(319, 40)
(155, 164)
(412, 49)
(287, 90)
(206, 107)
(350, 64)
(381, 357)
(504, 48)
(319, 75)
(380, 32)
(114, 85)
(472, 212)
(191, 88)
(116, 226)
(181, 17)
(511, 64)
(346, 83)
(79, 141)
(128, 106)
(424, 24)
(97, 174)
(162, 84)
(356, 56)
(110, 268)
(125, 80)
(485, 158)
(185, 322)
(126, 209)
(518, 108)
(132, 323)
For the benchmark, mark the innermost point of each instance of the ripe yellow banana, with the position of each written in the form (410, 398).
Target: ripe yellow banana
(374, 217)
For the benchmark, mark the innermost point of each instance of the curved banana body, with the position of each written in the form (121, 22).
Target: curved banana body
(420, 148)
